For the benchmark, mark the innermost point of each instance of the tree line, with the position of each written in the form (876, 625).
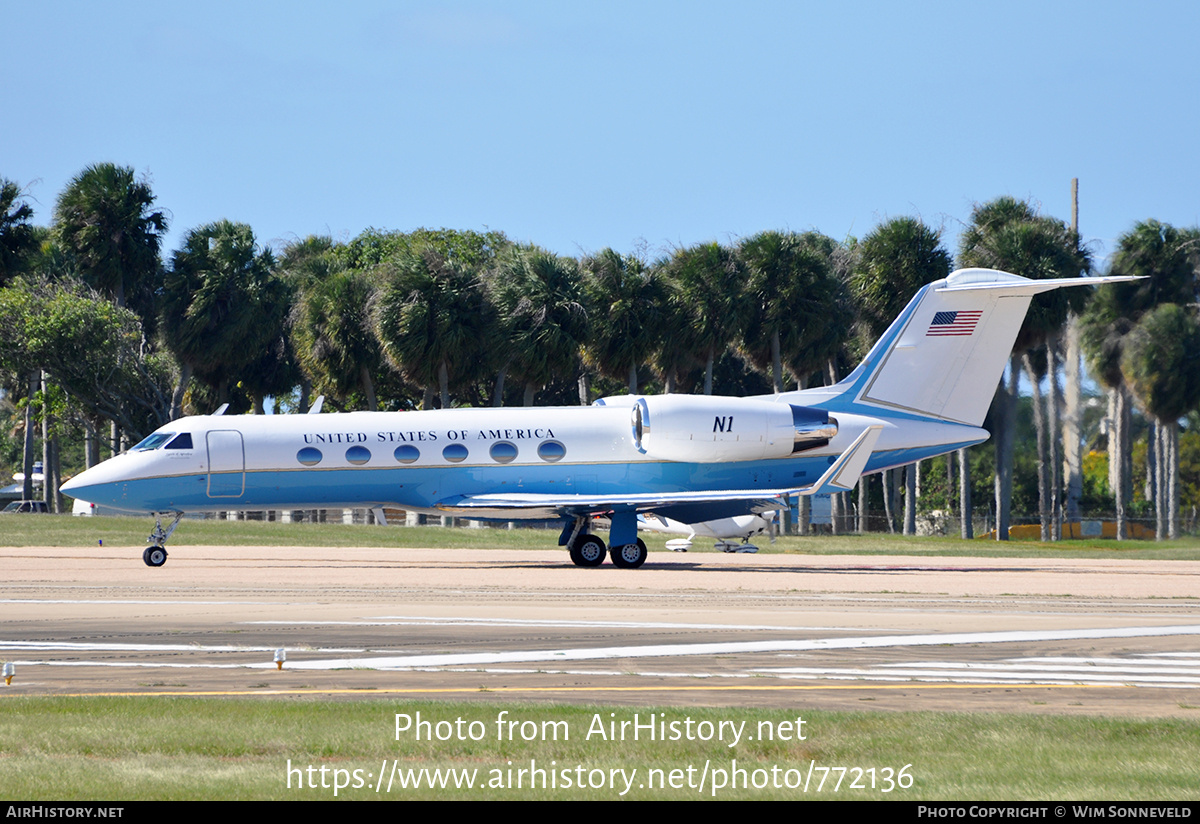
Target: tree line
(102, 332)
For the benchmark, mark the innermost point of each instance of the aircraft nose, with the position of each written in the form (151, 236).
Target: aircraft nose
(77, 483)
(100, 475)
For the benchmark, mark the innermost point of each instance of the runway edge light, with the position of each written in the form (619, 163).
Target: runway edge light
(280, 657)
(9, 672)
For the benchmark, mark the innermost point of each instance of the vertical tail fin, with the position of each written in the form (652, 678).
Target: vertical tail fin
(944, 354)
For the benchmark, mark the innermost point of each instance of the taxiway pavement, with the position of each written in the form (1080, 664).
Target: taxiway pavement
(1097, 636)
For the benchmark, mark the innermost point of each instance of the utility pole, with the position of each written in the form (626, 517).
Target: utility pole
(1072, 446)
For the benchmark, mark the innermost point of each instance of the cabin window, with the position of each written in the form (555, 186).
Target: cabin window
(358, 455)
(455, 453)
(503, 452)
(406, 454)
(152, 442)
(309, 456)
(182, 441)
(551, 451)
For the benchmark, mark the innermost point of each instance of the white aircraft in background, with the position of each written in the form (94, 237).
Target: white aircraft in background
(744, 527)
(923, 390)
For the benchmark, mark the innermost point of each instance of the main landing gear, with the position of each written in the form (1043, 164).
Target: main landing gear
(630, 556)
(588, 550)
(156, 554)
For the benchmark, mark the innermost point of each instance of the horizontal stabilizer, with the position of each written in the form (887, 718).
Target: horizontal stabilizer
(844, 473)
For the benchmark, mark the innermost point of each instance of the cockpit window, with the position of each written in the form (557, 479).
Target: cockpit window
(153, 441)
(182, 441)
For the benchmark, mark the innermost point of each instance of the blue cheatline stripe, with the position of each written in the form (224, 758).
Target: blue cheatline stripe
(422, 487)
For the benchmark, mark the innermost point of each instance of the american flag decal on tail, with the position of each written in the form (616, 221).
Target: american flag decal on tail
(947, 324)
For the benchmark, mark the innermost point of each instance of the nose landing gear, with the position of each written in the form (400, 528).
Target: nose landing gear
(156, 554)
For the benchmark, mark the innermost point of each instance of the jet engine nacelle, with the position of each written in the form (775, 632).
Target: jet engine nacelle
(708, 429)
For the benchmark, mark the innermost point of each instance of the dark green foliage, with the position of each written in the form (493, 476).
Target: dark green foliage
(330, 324)
(331, 327)
(735, 378)
(540, 300)
(1162, 254)
(276, 370)
(93, 350)
(1189, 470)
(799, 313)
(223, 304)
(709, 303)
(1102, 334)
(1161, 361)
(1166, 258)
(895, 260)
(628, 304)
(712, 281)
(105, 222)
(1009, 235)
(467, 248)
(18, 241)
(433, 319)
(309, 261)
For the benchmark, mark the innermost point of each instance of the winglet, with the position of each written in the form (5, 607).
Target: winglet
(844, 473)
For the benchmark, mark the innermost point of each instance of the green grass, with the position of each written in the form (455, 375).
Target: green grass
(182, 748)
(66, 531)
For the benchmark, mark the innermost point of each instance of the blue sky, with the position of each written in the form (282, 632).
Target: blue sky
(580, 125)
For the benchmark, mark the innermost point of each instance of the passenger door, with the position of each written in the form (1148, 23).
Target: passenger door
(226, 464)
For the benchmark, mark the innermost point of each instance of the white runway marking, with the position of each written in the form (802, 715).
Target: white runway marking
(47, 646)
(452, 621)
(1023, 671)
(73, 646)
(981, 674)
(1164, 670)
(122, 664)
(158, 603)
(735, 647)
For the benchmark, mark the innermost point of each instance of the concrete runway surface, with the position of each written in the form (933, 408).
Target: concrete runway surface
(1101, 636)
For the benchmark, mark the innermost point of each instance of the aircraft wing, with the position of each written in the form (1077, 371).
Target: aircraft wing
(841, 476)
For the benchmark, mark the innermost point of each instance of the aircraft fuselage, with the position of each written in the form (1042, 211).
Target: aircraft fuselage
(424, 461)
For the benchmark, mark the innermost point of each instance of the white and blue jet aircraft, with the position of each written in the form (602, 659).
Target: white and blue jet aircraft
(923, 390)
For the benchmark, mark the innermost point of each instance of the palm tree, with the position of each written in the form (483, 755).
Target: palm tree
(1166, 258)
(223, 304)
(276, 371)
(18, 241)
(104, 218)
(711, 288)
(671, 359)
(798, 317)
(434, 321)
(629, 302)
(375, 246)
(895, 260)
(330, 323)
(332, 330)
(18, 357)
(1161, 364)
(1010, 235)
(544, 322)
